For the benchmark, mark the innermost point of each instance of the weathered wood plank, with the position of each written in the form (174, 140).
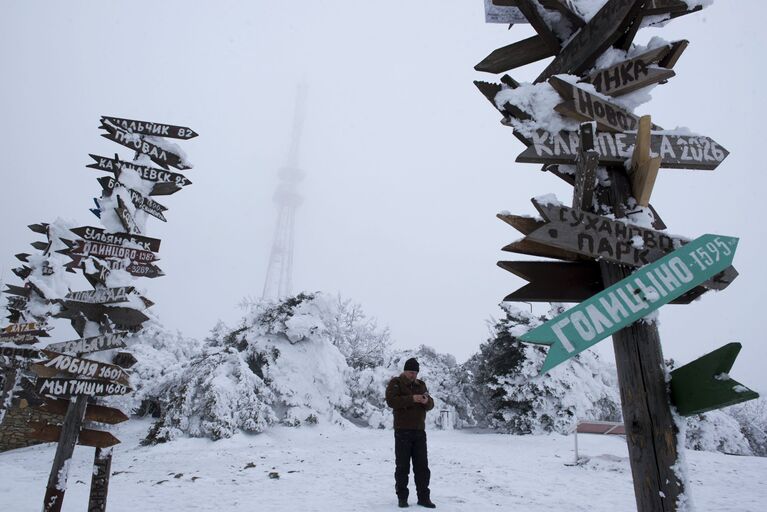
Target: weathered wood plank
(67, 436)
(102, 470)
(583, 49)
(87, 437)
(676, 151)
(515, 55)
(644, 168)
(97, 413)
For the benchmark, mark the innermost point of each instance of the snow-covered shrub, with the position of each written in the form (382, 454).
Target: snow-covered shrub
(715, 431)
(752, 418)
(510, 395)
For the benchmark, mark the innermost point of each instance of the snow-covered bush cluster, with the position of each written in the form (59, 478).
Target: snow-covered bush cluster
(316, 358)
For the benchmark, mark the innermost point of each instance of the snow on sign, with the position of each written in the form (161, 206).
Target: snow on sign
(93, 344)
(79, 367)
(79, 387)
(102, 295)
(158, 153)
(150, 206)
(676, 151)
(632, 298)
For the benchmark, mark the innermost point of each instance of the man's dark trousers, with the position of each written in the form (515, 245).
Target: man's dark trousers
(411, 444)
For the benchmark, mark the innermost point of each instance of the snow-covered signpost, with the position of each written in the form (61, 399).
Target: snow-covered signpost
(624, 267)
(110, 258)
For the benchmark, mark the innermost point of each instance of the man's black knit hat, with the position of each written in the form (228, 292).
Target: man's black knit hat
(411, 365)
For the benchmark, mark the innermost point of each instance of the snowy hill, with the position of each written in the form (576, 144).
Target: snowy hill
(324, 468)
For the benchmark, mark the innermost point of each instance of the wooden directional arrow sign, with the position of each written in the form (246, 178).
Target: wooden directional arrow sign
(150, 128)
(84, 248)
(76, 387)
(639, 71)
(165, 182)
(150, 206)
(676, 151)
(89, 345)
(125, 318)
(87, 437)
(102, 295)
(79, 367)
(598, 237)
(92, 234)
(158, 154)
(582, 105)
(558, 281)
(582, 50)
(629, 300)
(24, 353)
(98, 413)
(29, 328)
(704, 384)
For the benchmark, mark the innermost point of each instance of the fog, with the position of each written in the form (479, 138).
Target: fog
(406, 163)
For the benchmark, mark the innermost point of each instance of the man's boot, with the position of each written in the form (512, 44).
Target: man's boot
(426, 502)
(402, 502)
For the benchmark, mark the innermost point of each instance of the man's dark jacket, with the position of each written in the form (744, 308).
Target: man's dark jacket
(408, 414)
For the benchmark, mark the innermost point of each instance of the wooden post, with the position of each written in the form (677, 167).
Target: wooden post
(6, 394)
(651, 434)
(57, 481)
(102, 469)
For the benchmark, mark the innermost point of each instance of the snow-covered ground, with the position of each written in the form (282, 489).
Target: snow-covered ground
(339, 469)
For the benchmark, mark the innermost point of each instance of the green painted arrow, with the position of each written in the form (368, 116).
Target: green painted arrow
(704, 384)
(625, 302)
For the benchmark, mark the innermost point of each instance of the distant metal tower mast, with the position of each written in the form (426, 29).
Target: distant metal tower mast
(279, 274)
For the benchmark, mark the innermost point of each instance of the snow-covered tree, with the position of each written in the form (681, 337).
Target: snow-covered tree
(510, 395)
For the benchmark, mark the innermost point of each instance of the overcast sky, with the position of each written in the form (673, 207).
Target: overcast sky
(406, 163)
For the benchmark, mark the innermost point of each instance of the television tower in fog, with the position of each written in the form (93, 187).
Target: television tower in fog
(279, 274)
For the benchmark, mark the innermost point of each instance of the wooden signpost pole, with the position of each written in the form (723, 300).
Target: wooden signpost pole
(70, 429)
(651, 434)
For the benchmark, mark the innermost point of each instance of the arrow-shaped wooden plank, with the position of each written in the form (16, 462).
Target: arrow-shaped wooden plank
(650, 67)
(85, 248)
(165, 182)
(22, 272)
(676, 151)
(89, 345)
(151, 128)
(583, 49)
(93, 234)
(78, 387)
(517, 54)
(704, 384)
(138, 143)
(97, 413)
(582, 105)
(102, 295)
(87, 437)
(41, 228)
(125, 318)
(599, 237)
(79, 367)
(530, 12)
(555, 281)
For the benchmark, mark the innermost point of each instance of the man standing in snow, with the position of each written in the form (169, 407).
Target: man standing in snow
(410, 400)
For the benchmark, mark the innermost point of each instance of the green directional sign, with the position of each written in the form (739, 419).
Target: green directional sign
(705, 384)
(625, 302)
